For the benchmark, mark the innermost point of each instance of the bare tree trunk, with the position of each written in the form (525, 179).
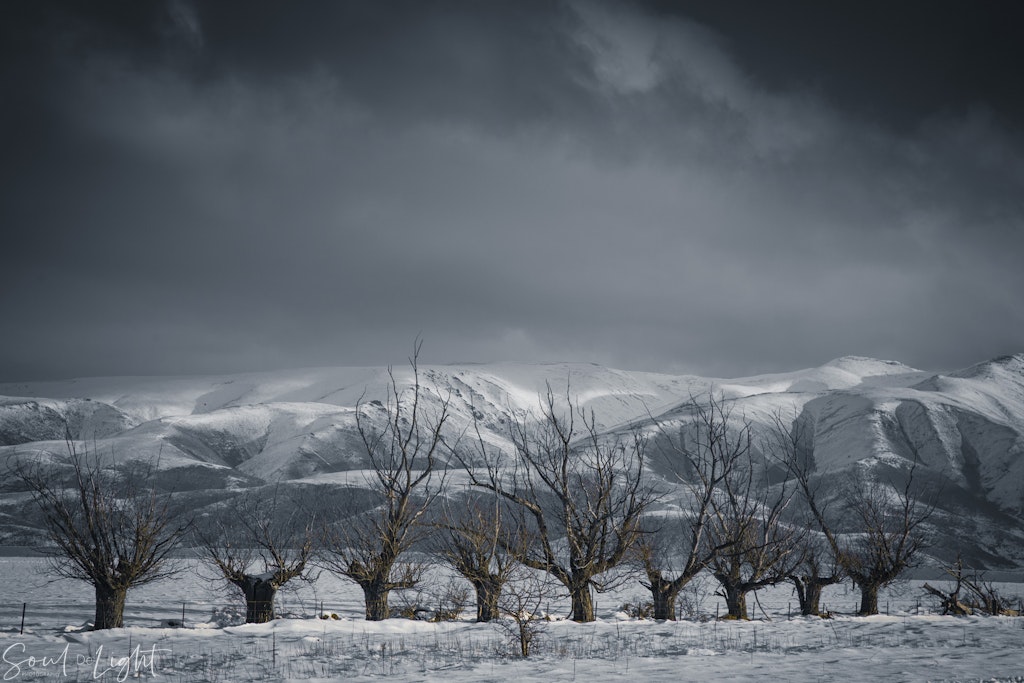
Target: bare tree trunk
(525, 638)
(259, 599)
(582, 603)
(735, 601)
(868, 599)
(663, 595)
(109, 607)
(376, 596)
(950, 601)
(487, 594)
(808, 592)
(811, 606)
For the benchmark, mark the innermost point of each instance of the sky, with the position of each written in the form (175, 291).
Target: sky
(719, 188)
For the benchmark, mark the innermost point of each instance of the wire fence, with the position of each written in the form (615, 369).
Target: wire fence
(72, 614)
(33, 600)
(75, 613)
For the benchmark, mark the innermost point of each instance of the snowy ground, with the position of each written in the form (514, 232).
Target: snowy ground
(910, 644)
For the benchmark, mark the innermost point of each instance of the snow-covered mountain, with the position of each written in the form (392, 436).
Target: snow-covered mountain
(208, 434)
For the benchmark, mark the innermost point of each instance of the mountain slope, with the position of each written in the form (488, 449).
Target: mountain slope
(965, 429)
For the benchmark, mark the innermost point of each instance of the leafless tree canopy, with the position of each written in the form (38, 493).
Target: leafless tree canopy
(874, 529)
(887, 537)
(578, 497)
(106, 528)
(262, 544)
(405, 479)
(474, 541)
(702, 458)
(756, 548)
(819, 564)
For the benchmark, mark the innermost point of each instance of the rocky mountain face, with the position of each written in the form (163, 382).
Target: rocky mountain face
(206, 437)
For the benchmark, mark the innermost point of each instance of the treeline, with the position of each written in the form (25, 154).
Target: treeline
(569, 512)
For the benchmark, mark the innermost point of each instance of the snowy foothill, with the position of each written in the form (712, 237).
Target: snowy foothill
(207, 439)
(910, 643)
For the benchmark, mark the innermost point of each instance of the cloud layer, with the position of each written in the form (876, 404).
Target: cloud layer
(215, 188)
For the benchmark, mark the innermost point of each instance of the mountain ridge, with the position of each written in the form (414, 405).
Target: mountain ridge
(222, 433)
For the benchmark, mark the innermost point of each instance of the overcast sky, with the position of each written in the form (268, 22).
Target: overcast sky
(722, 188)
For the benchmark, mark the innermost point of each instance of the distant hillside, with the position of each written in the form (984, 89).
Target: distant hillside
(209, 435)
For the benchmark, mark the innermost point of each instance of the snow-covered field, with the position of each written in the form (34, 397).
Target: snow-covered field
(912, 643)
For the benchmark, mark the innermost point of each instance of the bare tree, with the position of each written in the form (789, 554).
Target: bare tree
(887, 535)
(403, 457)
(819, 565)
(474, 542)
(580, 498)
(759, 550)
(876, 533)
(525, 594)
(756, 548)
(259, 547)
(106, 527)
(701, 458)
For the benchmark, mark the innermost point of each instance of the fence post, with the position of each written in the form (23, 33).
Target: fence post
(23, 606)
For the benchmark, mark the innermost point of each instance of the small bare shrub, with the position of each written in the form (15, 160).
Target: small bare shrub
(452, 602)
(411, 605)
(521, 602)
(638, 610)
(690, 603)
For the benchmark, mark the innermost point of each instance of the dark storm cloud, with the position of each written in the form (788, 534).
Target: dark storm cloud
(898, 62)
(216, 186)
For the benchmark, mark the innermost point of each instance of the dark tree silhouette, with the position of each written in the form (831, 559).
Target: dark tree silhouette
(818, 567)
(887, 535)
(756, 547)
(569, 486)
(106, 527)
(473, 541)
(876, 532)
(259, 547)
(701, 458)
(404, 480)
